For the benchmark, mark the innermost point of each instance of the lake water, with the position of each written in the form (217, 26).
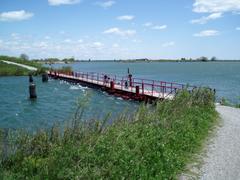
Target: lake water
(222, 76)
(56, 100)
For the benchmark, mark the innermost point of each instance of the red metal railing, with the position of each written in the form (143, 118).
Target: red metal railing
(161, 89)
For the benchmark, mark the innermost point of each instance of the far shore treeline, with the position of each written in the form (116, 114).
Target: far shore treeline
(13, 70)
(23, 58)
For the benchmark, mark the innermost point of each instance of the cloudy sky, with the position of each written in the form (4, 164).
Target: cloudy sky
(120, 29)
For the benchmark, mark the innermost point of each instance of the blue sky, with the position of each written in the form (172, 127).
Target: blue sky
(120, 29)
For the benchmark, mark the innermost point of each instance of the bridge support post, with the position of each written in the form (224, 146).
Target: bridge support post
(137, 91)
(112, 85)
(45, 77)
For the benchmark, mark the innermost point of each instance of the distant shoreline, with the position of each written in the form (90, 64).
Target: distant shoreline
(136, 61)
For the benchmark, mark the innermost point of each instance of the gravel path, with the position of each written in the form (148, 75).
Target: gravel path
(222, 159)
(21, 65)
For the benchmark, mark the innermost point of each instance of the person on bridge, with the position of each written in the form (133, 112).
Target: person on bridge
(126, 84)
(105, 79)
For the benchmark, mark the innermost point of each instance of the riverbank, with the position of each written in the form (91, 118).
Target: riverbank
(12, 70)
(157, 142)
(13, 66)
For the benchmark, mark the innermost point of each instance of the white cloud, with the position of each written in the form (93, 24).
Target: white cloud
(98, 45)
(167, 44)
(62, 2)
(207, 33)
(159, 27)
(126, 18)
(15, 36)
(120, 32)
(205, 19)
(67, 41)
(106, 4)
(238, 28)
(148, 24)
(47, 37)
(41, 45)
(137, 41)
(15, 15)
(115, 45)
(62, 32)
(80, 41)
(212, 6)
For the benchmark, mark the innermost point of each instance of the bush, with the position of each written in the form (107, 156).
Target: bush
(157, 142)
(65, 69)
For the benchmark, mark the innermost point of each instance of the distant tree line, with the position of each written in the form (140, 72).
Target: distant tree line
(202, 58)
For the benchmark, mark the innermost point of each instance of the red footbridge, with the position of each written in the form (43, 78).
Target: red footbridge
(125, 87)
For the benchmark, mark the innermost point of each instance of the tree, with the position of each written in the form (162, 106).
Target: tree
(24, 57)
(213, 58)
(203, 58)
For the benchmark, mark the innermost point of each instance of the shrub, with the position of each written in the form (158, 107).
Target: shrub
(156, 142)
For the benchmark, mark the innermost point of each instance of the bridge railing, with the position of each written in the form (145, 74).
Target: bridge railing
(145, 86)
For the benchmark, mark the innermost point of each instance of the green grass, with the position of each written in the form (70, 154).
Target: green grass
(21, 61)
(12, 70)
(225, 102)
(157, 142)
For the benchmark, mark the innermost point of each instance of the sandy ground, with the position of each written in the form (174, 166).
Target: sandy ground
(21, 65)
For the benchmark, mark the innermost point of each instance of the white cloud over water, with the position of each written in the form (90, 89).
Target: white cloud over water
(215, 9)
(159, 27)
(213, 6)
(126, 18)
(62, 2)
(119, 32)
(168, 44)
(105, 4)
(207, 33)
(148, 24)
(205, 19)
(15, 15)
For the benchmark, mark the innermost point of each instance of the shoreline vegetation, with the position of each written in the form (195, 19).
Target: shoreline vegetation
(145, 60)
(38, 63)
(158, 141)
(14, 70)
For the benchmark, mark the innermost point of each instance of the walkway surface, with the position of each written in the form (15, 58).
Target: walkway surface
(118, 86)
(21, 65)
(222, 159)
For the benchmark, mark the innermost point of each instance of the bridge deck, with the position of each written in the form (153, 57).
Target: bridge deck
(138, 89)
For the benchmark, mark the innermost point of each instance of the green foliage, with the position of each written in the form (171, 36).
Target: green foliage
(157, 142)
(225, 102)
(24, 57)
(65, 69)
(203, 58)
(21, 61)
(12, 70)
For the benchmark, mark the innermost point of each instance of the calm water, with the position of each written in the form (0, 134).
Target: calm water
(57, 100)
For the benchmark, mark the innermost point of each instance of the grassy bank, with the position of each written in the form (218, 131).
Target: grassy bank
(157, 142)
(21, 61)
(13, 70)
